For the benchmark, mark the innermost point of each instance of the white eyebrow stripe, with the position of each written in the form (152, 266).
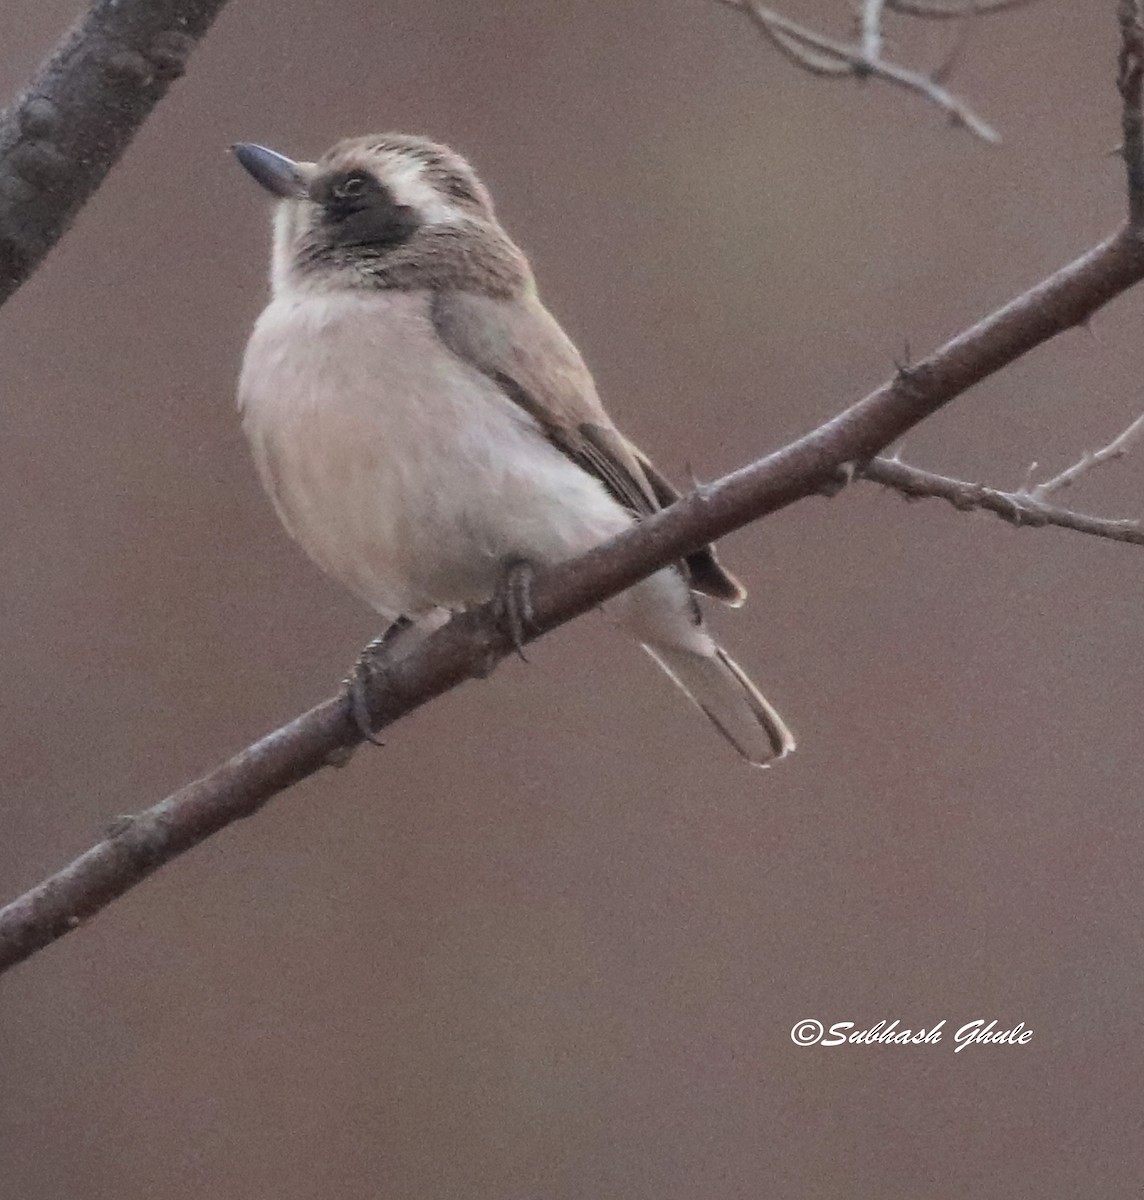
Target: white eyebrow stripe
(405, 177)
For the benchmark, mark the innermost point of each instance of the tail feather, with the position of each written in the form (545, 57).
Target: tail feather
(741, 713)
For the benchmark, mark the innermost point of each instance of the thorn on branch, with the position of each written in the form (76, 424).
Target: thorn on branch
(1027, 483)
(911, 379)
(903, 365)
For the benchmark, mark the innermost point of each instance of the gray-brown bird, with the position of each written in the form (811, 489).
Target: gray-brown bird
(421, 421)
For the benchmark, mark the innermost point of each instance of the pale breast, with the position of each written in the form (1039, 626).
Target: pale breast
(402, 471)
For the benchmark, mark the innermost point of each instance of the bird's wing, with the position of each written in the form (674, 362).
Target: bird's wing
(519, 345)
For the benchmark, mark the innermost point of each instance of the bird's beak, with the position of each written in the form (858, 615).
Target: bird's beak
(279, 175)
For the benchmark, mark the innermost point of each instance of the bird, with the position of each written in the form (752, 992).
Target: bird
(427, 431)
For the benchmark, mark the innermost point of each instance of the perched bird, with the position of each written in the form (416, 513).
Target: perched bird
(423, 424)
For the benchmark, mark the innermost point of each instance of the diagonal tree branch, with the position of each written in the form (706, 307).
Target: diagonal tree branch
(470, 644)
(62, 135)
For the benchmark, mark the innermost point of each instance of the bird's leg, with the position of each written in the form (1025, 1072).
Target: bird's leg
(513, 600)
(370, 663)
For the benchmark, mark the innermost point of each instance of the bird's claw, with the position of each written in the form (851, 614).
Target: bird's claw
(357, 685)
(371, 662)
(514, 604)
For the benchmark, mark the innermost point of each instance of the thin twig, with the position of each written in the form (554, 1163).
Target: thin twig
(1117, 448)
(961, 40)
(1021, 508)
(794, 50)
(62, 135)
(872, 29)
(934, 11)
(470, 643)
(817, 52)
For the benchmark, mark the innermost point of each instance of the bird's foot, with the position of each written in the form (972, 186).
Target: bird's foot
(357, 683)
(513, 600)
(371, 663)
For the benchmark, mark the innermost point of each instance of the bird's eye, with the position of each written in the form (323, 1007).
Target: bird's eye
(351, 187)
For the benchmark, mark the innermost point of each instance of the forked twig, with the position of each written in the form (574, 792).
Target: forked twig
(1021, 508)
(822, 55)
(1027, 505)
(1090, 460)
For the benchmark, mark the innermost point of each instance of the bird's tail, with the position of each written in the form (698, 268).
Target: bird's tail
(719, 686)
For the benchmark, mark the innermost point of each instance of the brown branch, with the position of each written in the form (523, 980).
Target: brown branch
(935, 11)
(471, 643)
(62, 135)
(1021, 508)
(1130, 81)
(823, 55)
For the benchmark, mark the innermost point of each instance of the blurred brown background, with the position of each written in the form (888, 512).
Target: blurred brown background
(551, 941)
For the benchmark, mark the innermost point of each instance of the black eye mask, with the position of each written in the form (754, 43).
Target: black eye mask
(360, 211)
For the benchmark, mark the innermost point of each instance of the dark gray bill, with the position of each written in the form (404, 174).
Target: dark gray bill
(278, 174)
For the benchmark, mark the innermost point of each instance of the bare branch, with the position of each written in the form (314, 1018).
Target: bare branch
(956, 52)
(59, 139)
(827, 56)
(1117, 448)
(933, 10)
(792, 46)
(798, 52)
(872, 11)
(1021, 508)
(1130, 81)
(472, 642)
